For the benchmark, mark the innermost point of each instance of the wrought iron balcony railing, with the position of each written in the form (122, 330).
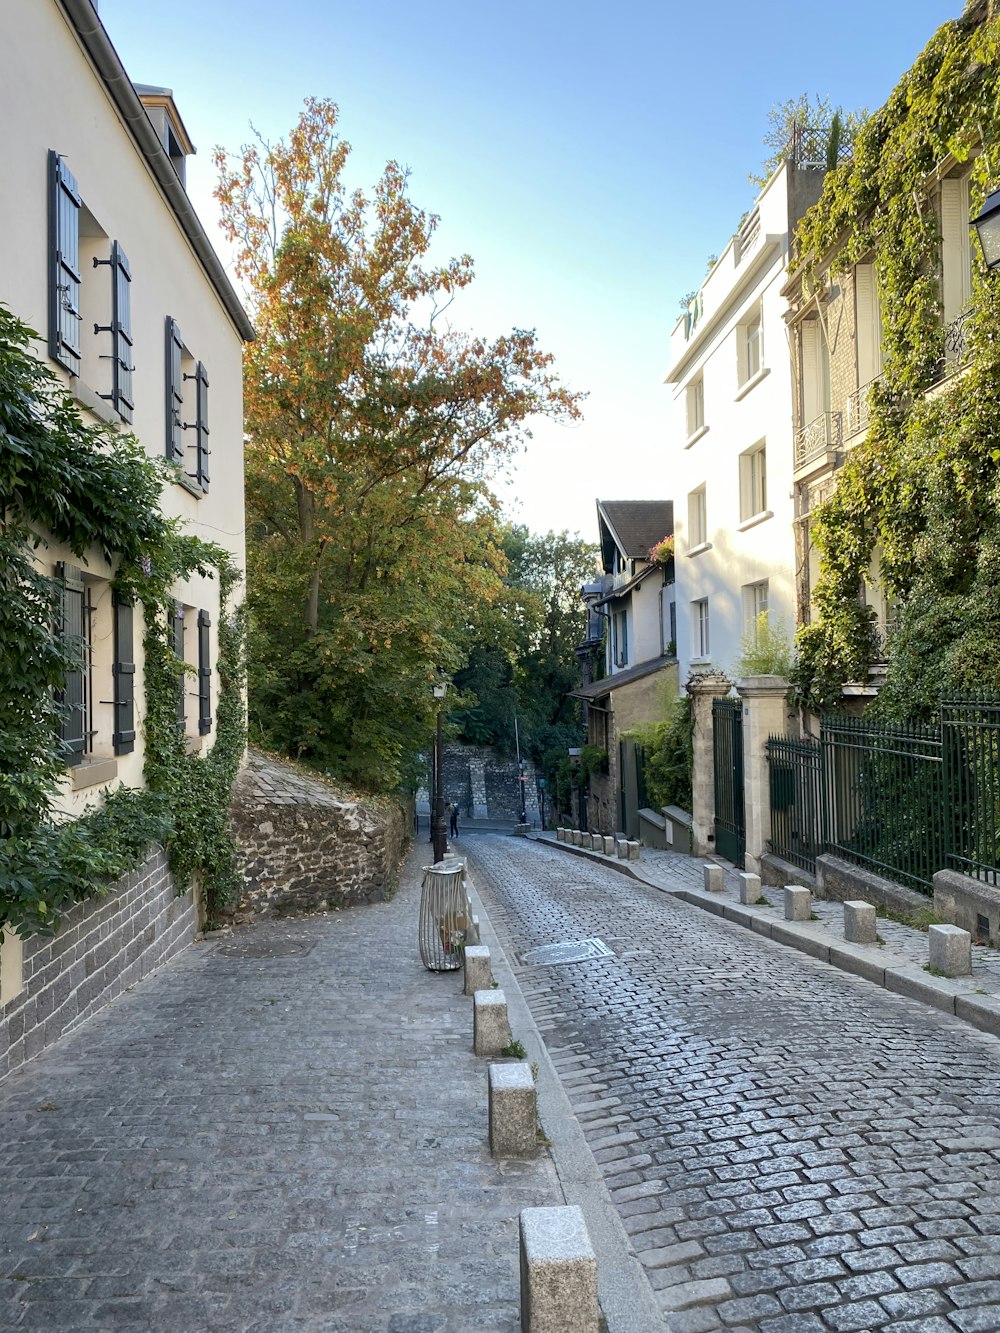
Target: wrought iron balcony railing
(857, 408)
(956, 340)
(822, 435)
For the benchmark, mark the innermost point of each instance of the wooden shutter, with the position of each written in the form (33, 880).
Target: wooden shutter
(868, 323)
(124, 677)
(64, 266)
(204, 674)
(177, 634)
(201, 423)
(122, 333)
(175, 392)
(956, 257)
(813, 377)
(72, 698)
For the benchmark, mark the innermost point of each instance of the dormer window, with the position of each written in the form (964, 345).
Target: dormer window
(166, 121)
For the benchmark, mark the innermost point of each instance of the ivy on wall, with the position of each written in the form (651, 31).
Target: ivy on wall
(88, 487)
(922, 492)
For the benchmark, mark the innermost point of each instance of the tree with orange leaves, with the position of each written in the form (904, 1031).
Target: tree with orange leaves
(373, 434)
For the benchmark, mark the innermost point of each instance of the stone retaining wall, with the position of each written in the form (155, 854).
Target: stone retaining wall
(304, 847)
(51, 984)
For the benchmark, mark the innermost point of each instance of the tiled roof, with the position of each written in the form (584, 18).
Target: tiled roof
(637, 525)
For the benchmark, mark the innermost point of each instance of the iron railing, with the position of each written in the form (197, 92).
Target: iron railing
(904, 800)
(820, 436)
(858, 409)
(956, 340)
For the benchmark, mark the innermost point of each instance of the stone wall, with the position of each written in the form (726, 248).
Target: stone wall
(304, 847)
(483, 784)
(49, 985)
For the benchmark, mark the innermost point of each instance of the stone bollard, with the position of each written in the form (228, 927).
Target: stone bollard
(950, 950)
(577, 837)
(609, 844)
(634, 850)
(859, 923)
(559, 835)
(513, 1113)
(621, 847)
(749, 888)
(477, 968)
(596, 842)
(490, 1025)
(715, 879)
(472, 935)
(798, 903)
(558, 1272)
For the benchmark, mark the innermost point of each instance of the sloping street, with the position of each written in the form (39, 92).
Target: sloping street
(791, 1149)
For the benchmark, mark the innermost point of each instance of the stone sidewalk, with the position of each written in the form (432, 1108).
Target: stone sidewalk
(899, 962)
(283, 1129)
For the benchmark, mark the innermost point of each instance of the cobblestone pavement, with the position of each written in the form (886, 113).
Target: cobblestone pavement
(283, 1130)
(792, 1149)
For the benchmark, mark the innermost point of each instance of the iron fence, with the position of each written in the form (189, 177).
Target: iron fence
(904, 800)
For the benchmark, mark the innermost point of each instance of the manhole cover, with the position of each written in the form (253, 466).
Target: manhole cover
(267, 948)
(570, 951)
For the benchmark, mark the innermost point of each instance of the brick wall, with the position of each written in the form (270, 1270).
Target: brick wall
(104, 946)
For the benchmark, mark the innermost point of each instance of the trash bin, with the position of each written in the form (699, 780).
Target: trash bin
(445, 916)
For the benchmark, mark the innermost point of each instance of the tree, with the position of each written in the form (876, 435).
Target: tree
(372, 437)
(825, 131)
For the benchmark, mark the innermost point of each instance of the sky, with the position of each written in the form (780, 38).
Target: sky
(590, 158)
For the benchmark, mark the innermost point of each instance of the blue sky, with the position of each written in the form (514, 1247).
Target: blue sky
(589, 159)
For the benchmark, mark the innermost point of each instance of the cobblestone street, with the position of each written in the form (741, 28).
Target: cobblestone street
(792, 1149)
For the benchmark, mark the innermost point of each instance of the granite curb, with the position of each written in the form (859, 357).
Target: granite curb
(875, 963)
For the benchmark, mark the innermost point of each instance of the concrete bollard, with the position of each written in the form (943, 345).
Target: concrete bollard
(473, 932)
(559, 835)
(715, 879)
(558, 1272)
(477, 968)
(950, 950)
(609, 844)
(621, 847)
(577, 837)
(749, 887)
(596, 842)
(513, 1111)
(859, 923)
(634, 850)
(490, 1025)
(798, 903)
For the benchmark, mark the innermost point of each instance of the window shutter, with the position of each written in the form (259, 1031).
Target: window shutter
(813, 378)
(177, 634)
(124, 677)
(956, 256)
(175, 392)
(204, 674)
(64, 266)
(201, 424)
(72, 697)
(122, 333)
(869, 324)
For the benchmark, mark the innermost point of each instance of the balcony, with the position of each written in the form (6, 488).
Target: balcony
(857, 408)
(820, 439)
(956, 341)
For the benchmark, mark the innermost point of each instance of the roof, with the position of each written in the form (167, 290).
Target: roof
(633, 526)
(615, 593)
(83, 18)
(609, 684)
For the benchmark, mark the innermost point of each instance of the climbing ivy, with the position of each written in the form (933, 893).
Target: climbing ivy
(89, 487)
(923, 489)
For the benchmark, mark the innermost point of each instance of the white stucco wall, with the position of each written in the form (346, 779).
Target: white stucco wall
(736, 417)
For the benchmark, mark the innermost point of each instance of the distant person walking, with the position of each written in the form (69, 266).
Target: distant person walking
(454, 820)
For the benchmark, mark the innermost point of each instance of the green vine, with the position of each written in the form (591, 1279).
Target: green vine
(89, 487)
(922, 492)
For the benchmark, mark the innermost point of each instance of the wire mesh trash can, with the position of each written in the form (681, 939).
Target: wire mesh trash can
(444, 916)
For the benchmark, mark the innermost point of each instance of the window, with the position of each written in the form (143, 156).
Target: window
(697, 519)
(182, 370)
(815, 371)
(753, 482)
(749, 347)
(956, 250)
(695, 397)
(699, 627)
(754, 606)
(204, 674)
(75, 699)
(668, 622)
(619, 638)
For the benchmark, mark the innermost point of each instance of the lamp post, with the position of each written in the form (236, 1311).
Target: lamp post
(987, 225)
(439, 835)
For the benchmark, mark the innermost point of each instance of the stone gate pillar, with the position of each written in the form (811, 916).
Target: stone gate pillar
(477, 786)
(765, 713)
(703, 689)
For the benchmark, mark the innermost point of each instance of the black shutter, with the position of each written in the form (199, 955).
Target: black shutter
(72, 697)
(204, 674)
(120, 329)
(124, 674)
(64, 265)
(175, 392)
(178, 645)
(201, 386)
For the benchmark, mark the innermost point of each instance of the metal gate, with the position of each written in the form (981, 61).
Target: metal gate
(727, 747)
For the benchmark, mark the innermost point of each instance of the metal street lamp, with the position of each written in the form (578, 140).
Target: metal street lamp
(439, 834)
(987, 225)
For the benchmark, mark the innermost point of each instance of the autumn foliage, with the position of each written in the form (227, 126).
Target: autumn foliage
(373, 434)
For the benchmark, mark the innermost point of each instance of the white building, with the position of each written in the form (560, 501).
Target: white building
(731, 456)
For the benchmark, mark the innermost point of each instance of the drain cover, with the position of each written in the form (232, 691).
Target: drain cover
(570, 951)
(264, 948)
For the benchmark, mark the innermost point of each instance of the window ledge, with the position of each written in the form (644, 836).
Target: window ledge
(693, 439)
(754, 519)
(93, 772)
(699, 549)
(93, 402)
(752, 383)
(699, 661)
(188, 485)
